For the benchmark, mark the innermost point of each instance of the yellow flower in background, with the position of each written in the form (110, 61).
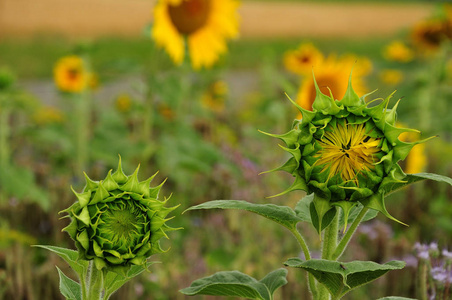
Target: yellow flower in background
(123, 103)
(205, 25)
(333, 75)
(302, 59)
(70, 74)
(416, 161)
(214, 97)
(166, 111)
(391, 76)
(48, 115)
(398, 51)
(429, 35)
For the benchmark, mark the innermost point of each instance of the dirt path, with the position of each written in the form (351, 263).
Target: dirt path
(93, 18)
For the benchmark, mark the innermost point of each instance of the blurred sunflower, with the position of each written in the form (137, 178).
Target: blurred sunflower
(391, 76)
(48, 115)
(428, 35)
(214, 97)
(303, 59)
(205, 24)
(332, 75)
(416, 161)
(123, 103)
(71, 74)
(398, 51)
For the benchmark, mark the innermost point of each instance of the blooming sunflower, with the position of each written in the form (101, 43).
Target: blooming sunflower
(331, 75)
(429, 35)
(204, 25)
(71, 74)
(398, 51)
(346, 152)
(303, 59)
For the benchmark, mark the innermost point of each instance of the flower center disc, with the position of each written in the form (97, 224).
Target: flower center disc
(122, 225)
(189, 15)
(347, 150)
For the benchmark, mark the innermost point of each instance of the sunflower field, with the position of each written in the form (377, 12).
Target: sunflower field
(137, 136)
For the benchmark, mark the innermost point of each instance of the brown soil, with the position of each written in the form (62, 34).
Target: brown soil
(93, 18)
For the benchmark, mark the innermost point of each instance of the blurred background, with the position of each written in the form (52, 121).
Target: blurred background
(83, 81)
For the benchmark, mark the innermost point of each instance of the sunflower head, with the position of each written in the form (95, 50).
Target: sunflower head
(302, 59)
(398, 51)
(201, 27)
(71, 75)
(345, 151)
(118, 221)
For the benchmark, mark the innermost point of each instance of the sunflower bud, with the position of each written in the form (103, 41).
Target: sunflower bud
(118, 221)
(345, 152)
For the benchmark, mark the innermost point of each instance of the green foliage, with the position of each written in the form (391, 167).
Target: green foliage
(280, 214)
(234, 283)
(340, 278)
(69, 288)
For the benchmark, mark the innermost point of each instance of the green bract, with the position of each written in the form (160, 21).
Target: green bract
(345, 152)
(118, 221)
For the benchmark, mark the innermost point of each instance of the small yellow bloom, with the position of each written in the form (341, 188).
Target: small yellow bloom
(123, 103)
(332, 75)
(303, 59)
(391, 76)
(398, 51)
(70, 74)
(214, 97)
(48, 115)
(205, 25)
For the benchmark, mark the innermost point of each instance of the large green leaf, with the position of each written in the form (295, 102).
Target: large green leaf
(395, 298)
(69, 288)
(71, 257)
(237, 284)
(283, 215)
(412, 178)
(340, 278)
(113, 281)
(302, 208)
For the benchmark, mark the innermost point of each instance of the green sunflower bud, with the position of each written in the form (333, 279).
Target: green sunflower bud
(118, 221)
(345, 152)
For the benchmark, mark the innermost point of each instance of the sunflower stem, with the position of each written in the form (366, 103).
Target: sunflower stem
(307, 255)
(348, 235)
(95, 284)
(4, 136)
(82, 127)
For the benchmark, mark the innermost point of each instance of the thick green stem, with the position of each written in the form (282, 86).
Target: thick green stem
(95, 283)
(329, 244)
(83, 115)
(307, 255)
(348, 235)
(423, 277)
(4, 137)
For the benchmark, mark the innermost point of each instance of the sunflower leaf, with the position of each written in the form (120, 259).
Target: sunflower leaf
(71, 257)
(237, 284)
(340, 278)
(283, 215)
(69, 288)
(412, 178)
(114, 280)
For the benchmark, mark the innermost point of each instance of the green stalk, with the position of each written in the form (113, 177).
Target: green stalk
(4, 137)
(307, 255)
(423, 281)
(95, 284)
(348, 235)
(83, 115)
(329, 244)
